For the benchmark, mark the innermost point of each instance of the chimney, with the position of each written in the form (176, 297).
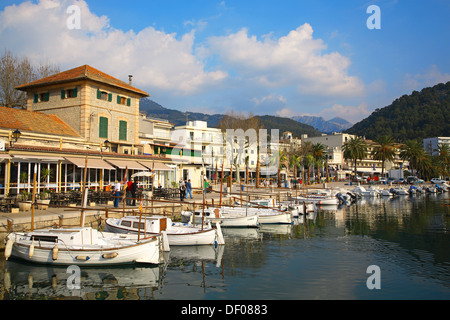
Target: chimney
(130, 79)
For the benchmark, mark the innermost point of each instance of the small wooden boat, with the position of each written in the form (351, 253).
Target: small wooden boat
(179, 234)
(265, 215)
(84, 246)
(215, 215)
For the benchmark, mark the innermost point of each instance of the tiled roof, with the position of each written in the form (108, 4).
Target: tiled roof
(33, 121)
(81, 73)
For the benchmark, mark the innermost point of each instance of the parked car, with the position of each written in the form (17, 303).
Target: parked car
(413, 180)
(436, 181)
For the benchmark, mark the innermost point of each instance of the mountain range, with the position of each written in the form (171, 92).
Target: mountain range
(177, 118)
(326, 126)
(420, 115)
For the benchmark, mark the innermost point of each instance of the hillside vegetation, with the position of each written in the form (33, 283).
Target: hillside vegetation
(420, 115)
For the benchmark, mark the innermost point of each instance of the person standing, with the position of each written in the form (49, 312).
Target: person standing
(129, 195)
(205, 186)
(133, 191)
(189, 188)
(116, 194)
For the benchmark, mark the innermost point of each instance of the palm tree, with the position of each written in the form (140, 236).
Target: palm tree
(295, 162)
(412, 151)
(443, 159)
(306, 158)
(355, 149)
(319, 153)
(384, 150)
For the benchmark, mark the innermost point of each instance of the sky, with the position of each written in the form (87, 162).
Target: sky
(284, 57)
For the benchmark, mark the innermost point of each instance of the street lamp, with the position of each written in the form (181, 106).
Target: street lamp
(106, 144)
(16, 135)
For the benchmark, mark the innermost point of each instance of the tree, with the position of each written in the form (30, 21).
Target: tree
(412, 151)
(355, 149)
(319, 153)
(443, 159)
(384, 150)
(15, 71)
(237, 121)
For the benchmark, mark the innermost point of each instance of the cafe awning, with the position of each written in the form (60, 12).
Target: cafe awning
(4, 157)
(158, 166)
(93, 163)
(130, 164)
(35, 158)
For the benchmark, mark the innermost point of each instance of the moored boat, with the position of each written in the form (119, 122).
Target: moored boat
(178, 234)
(83, 246)
(214, 215)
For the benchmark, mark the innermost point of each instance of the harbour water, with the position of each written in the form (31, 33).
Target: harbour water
(390, 249)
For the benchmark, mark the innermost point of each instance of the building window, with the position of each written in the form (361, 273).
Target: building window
(103, 128)
(41, 97)
(69, 93)
(103, 95)
(122, 130)
(123, 101)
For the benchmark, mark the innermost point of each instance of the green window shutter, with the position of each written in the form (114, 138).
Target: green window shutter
(122, 130)
(118, 99)
(75, 92)
(36, 98)
(128, 102)
(99, 94)
(103, 128)
(47, 96)
(109, 97)
(63, 94)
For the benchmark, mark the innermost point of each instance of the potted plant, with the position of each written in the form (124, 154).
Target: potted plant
(44, 200)
(22, 197)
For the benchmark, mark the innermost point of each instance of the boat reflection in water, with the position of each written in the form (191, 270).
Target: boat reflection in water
(34, 281)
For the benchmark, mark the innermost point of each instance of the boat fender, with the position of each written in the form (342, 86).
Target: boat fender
(219, 234)
(165, 241)
(82, 258)
(8, 248)
(110, 255)
(55, 252)
(31, 250)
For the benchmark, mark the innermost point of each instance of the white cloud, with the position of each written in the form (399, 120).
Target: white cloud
(294, 60)
(158, 60)
(428, 78)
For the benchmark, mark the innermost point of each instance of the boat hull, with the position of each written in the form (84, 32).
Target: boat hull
(177, 236)
(281, 218)
(125, 251)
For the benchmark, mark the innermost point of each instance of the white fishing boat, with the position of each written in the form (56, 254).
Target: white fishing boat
(179, 234)
(319, 199)
(265, 215)
(214, 215)
(365, 192)
(84, 246)
(399, 191)
(386, 193)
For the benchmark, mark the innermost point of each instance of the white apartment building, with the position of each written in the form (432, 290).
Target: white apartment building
(431, 144)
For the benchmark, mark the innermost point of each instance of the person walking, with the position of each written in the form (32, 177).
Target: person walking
(182, 190)
(134, 186)
(188, 188)
(116, 194)
(206, 186)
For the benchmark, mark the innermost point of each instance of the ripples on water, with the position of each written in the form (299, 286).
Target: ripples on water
(326, 258)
